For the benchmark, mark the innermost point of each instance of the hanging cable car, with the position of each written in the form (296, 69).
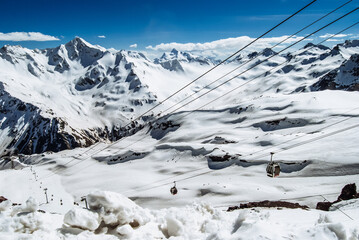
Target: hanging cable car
(273, 168)
(173, 189)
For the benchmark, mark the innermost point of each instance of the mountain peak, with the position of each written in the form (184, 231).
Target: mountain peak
(321, 47)
(309, 45)
(174, 51)
(351, 43)
(77, 42)
(268, 52)
(86, 53)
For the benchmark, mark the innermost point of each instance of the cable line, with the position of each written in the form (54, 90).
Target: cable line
(245, 71)
(337, 208)
(294, 145)
(250, 60)
(208, 71)
(306, 142)
(260, 62)
(175, 93)
(332, 36)
(225, 60)
(217, 164)
(296, 138)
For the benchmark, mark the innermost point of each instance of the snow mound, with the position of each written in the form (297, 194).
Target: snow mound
(108, 211)
(115, 209)
(23, 220)
(82, 218)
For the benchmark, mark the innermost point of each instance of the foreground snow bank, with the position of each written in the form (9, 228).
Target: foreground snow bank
(109, 213)
(113, 216)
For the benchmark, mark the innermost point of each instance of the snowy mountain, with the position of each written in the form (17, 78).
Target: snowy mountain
(77, 94)
(172, 61)
(346, 77)
(77, 89)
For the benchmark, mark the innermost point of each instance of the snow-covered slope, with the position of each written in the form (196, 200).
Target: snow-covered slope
(216, 153)
(86, 93)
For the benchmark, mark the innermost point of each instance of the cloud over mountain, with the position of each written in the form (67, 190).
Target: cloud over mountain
(228, 43)
(26, 36)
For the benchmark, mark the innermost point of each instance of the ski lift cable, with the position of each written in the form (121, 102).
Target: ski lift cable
(243, 157)
(338, 209)
(265, 74)
(316, 138)
(217, 65)
(260, 62)
(225, 60)
(274, 71)
(254, 66)
(212, 171)
(296, 138)
(264, 60)
(200, 169)
(214, 99)
(252, 59)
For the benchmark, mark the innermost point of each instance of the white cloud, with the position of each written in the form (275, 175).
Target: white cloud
(327, 35)
(133, 45)
(101, 36)
(26, 36)
(335, 40)
(228, 43)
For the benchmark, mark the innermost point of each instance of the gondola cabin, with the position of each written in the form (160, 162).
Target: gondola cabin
(273, 168)
(173, 189)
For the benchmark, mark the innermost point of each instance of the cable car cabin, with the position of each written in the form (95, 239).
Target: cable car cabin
(173, 189)
(273, 169)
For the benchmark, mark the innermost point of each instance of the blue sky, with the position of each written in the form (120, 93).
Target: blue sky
(145, 23)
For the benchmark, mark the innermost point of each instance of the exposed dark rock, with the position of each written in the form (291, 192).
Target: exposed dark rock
(86, 83)
(287, 68)
(268, 204)
(252, 55)
(218, 140)
(172, 65)
(47, 134)
(349, 191)
(268, 52)
(134, 81)
(283, 123)
(128, 156)
(159, 130)
(324, 206)
(346, 77)
(2, 199)
(223, 158)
